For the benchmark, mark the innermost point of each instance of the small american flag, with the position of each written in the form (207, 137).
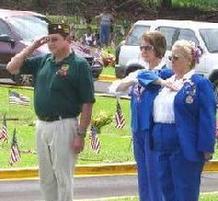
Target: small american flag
(95, 142)
(15, 152)
(217, 129)
(217, 133)
(16, 98)
(119, 118)
(4, 130)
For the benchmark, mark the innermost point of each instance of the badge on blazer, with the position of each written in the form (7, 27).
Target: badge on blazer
(63, 70)
(189, 87)
(138, 90)
(189, 99)
(190, 91)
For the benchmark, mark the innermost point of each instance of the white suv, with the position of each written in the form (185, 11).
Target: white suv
(202, 33)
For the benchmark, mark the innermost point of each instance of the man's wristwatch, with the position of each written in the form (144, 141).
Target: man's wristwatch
(81, 133)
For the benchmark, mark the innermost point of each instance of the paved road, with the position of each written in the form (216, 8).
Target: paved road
(101, 87)
(85, 188)
(6, 81)
(89, 188)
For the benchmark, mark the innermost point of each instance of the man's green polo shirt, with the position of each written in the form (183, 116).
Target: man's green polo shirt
(60, 88)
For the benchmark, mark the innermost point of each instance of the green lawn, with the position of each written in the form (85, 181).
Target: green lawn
(108, 71)
(115, 143)
(203, 197)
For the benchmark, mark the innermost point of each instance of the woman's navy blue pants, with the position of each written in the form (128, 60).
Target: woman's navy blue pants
(179, 178)
(148, 187)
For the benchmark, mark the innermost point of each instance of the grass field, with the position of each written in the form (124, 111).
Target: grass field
(108, 71)
(203, 197)
(115, 143)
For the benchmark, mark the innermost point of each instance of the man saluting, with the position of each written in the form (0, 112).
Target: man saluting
(63, 90)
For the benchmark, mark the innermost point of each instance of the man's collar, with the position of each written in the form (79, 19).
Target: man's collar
(66, 59)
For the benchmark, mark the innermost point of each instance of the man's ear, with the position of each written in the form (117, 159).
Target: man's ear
(68, 38)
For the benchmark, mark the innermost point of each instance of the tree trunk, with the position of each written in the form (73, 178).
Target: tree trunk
(166, 4)
(43, 3)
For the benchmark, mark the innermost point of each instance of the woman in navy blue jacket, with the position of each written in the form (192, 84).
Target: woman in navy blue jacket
(183, 133)
(153, 47)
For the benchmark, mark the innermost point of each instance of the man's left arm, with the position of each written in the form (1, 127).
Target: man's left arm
(85, 118)
(86, 94)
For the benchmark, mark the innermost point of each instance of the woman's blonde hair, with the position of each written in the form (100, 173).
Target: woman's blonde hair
(189, 50)
(157, 40)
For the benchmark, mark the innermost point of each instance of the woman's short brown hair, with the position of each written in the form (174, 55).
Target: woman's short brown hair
(157, 40)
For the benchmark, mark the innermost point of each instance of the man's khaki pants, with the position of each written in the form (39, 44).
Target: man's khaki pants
(56, 159)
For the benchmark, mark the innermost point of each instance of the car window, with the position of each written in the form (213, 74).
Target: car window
(135, 34)
(210, 38)
(170, 33)
(4, 30)
(29, 27)
(187, 34)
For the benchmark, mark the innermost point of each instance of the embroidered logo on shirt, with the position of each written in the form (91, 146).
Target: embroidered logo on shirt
(63, 70)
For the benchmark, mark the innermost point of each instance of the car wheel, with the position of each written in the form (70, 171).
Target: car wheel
(214, 79)
(119, 72)
(25, 80)
(216, 91)
(133, 67)
(17, 79)
(96, 73)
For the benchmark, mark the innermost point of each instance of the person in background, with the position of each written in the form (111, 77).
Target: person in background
(153, 47)
(106, 23)
(89, 38)
(72, 34)
(63, 90)
(183, 134)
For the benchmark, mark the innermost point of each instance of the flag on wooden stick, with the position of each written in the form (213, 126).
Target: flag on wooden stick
(95, 142)
(217, 133)
(119, 118)
(15, 152)
(217, 129)
(4, 130)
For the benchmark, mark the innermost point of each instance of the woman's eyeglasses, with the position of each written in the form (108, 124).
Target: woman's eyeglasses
(146, 47)
(174, 57)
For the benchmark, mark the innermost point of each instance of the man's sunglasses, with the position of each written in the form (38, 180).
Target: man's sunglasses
(174, 57)
(146, 47)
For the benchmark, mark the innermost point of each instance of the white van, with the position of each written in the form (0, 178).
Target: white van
(202, 33)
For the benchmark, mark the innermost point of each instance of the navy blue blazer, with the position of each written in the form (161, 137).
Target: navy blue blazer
(195, 117)
(142, 96)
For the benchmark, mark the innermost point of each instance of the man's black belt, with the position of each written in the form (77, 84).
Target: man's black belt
(54, 118)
